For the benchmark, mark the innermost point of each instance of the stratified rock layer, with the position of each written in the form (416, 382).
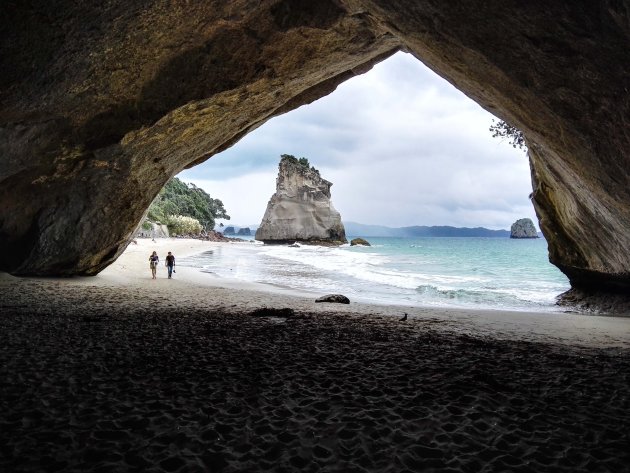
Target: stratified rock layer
(523, 228)
(301, 209)
(102, 102)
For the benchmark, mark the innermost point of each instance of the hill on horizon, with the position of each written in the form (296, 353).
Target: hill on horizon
(359, 229)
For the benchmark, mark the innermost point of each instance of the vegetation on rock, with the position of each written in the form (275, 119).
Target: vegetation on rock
(303, 162)
(503, 129)
(179, 203)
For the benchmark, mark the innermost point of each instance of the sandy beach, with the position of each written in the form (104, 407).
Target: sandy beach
(120, 372)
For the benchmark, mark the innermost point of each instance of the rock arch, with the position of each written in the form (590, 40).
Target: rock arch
(100, 104)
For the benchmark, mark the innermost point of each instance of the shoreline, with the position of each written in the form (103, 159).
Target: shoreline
(555, 326)
(119, 372)
(131, 271)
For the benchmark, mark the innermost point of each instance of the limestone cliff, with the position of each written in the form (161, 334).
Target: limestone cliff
(102, 102)
(523, 228)
(301, 209)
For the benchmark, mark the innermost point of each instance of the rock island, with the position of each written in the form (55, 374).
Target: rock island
(523, 228)
(301, 209)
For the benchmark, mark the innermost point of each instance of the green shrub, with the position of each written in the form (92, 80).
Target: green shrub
(179, 198)
(182, 225)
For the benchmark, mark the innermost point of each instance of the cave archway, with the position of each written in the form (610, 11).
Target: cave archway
(401, 145)
(99, 107)
(402, 148)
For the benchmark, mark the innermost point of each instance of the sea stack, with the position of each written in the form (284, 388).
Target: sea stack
(523, 228)
(301, 209)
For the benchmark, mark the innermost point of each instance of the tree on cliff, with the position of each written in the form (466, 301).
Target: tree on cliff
(501, 129)
(301, 161)
(180, 199)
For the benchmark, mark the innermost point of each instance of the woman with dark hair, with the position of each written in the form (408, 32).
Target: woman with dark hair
(153, 263)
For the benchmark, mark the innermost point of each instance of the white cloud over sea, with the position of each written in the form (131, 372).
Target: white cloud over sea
(401, 145)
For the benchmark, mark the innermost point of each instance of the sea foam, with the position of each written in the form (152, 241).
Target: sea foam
(452, 272)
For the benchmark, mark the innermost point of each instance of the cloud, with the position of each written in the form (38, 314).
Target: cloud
(244, 197)
(401, 145)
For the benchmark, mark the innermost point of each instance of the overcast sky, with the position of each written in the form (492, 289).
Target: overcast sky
(401, 146)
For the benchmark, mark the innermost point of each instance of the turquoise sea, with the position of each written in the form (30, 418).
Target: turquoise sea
(495, 273)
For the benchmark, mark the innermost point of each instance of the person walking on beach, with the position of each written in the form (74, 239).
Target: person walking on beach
(153, 263)
(170, 264)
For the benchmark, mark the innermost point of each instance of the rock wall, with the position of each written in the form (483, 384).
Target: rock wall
(301, 208)
(102, 102)
(157, 230)
(523, 228)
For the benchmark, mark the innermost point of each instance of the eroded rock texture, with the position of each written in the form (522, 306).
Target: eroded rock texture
(101, 102)
(301, 209)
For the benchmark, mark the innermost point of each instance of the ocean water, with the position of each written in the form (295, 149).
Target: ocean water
(490, 273)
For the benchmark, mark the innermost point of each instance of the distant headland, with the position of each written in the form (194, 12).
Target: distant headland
(353, 228)
(415, 231)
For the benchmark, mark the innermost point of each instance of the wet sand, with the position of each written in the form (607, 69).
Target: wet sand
(123, 373)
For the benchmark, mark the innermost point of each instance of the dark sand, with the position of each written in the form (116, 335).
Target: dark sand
(113, 379)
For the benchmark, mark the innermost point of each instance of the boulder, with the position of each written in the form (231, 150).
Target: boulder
(301, 209)
(523, 228)
(336, 298)
(359, 241)
(213, 235)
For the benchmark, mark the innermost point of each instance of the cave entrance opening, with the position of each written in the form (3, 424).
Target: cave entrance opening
(402, 147)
